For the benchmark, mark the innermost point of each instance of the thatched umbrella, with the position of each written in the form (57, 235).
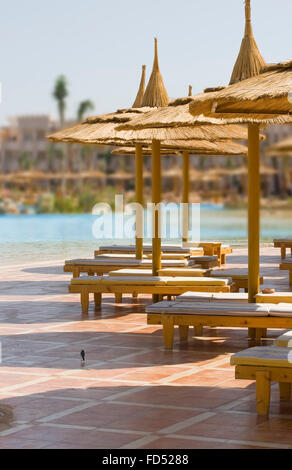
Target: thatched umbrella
(264, 99)
(249, 61)
(156, 95)
(281, 149)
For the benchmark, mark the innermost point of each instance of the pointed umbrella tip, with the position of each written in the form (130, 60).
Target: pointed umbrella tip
(140, 95)
(190, 90)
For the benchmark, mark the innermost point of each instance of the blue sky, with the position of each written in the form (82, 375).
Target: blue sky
(100, 46)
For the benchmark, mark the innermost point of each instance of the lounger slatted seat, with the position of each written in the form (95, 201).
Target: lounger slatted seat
(286, 265)
(147, 285)
(275, 298)
(146, 248)
(226, 314)
(102, 266)
(283, 243)
(168, 272)
(239, 277)
(213, 297)
(265, 365)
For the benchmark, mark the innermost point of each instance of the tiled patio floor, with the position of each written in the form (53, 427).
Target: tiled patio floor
(131, 393)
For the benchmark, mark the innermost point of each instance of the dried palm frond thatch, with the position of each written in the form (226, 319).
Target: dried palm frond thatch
(242, 170)
(146, 151)
(202, 147)
(249, 61)
(155, 93)
(140, 95)
(265, 99)
(176, 114)
(205, 147)
(102, 131)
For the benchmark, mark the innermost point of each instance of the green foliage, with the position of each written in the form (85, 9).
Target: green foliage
(83, 108)
(60, 94)
(25, 161)
(66, 205)
(45, 203)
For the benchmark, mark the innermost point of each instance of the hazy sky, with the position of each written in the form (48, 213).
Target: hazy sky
(100, 46)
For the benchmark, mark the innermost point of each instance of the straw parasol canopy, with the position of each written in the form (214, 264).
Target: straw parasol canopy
(120, 175)
(171, 147)
(155, 93)
(140, 95)
(249, 61)
(281, 149)
(242, 170)
(264, 99)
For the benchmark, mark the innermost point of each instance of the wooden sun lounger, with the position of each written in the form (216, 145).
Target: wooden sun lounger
(206, 262)
(286, 265)
(213, 297)
(275, 298)
(102, 265)
(265, 365)
(141, 285)
(226, 314)
(168, 272)
(164, 256)
(239, 277)
(284, 341)
(216, 248)
(283, 243)
(213, 248)
(131, 249)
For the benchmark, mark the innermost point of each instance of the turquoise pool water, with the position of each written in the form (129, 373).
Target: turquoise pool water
(28, 238)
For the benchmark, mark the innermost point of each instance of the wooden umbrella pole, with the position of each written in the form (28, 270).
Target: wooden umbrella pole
(253, 211)
(156, 199)
(186, 196)
(139, 200)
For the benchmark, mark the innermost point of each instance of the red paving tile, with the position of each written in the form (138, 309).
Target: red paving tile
(131, 392)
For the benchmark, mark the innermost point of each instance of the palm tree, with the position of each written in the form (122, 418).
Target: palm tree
(83, 108)
(60, 94)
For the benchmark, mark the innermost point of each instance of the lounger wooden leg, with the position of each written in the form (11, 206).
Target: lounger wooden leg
(223, 258)
(168, 331)
(75, 272)
(97, 299)
(263, 392)
(290, 278)
(283, 252)
(264, 332)
(183, 332)
(252, 333)
(119, 298)
(84, 301)
(135, 295)
(198, 330)
(169, 297)
(155, 298)
(258, 335)
(285, 391)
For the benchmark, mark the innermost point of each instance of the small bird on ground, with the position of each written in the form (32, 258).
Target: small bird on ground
(82, 354)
